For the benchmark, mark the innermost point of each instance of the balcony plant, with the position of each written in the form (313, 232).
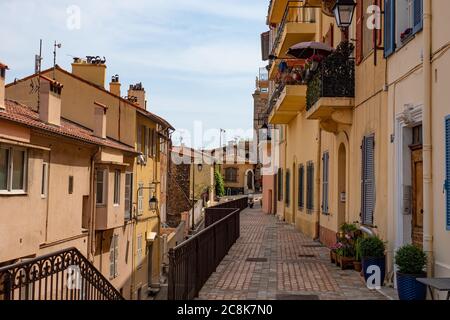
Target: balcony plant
(357, 262)
(373, 254)
(411, 262)
(335, 76)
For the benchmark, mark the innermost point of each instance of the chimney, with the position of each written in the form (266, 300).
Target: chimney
(50, 101)
(114, 85)
(100, 120)
(3, 69)
(138, 92)
(92, 69)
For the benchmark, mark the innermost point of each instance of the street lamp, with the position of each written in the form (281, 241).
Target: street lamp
(200, 167)
(153, 203)
(343, 12)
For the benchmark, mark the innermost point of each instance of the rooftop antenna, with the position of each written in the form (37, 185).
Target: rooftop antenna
(56, 46)
(38, 62)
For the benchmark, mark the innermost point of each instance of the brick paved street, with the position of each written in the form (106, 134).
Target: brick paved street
(283, 264)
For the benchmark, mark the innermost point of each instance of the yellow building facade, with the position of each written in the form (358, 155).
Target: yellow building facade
(380, 153)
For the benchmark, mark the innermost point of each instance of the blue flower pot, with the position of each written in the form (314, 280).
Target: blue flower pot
(372, 261)
(409, 288)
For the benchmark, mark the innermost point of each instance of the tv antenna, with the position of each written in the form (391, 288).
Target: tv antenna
(55, 47)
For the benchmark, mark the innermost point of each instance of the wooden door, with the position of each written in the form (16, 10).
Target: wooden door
(417, 207)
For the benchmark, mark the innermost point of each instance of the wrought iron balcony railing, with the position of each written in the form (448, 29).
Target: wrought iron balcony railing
(295, 12)
(335, 76)
(63, 275)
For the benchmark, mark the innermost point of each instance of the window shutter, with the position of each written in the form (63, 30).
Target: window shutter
(116, 255)
(139, 139)
(265, 45)
(326, 158)
(447, 168)
(389, 27)
(288, 187)
(301, 186)
(368, 180)
(146, 138)
(359, 31)
(418, 15)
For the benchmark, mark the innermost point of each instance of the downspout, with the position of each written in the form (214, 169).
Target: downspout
(317, 200)
(91, 240)
(427, 142)
(48, 194)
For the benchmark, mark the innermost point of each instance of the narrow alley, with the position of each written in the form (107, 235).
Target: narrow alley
(272, 260)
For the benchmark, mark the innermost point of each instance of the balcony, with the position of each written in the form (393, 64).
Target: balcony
(331, 90)
(288, 99)
(298, 24)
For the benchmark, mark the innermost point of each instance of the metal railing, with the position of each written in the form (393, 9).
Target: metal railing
(220, 211)
(294, 12)
(192, 262)
(274, 97)
(334, 78)
(63, 275)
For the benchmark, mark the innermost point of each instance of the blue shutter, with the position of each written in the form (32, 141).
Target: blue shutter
(418, 16)
(447, 169)
(389, 27)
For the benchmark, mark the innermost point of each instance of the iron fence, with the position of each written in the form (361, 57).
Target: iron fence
(63, 275)
(192, 262)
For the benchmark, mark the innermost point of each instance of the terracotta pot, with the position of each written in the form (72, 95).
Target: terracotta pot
(358, 266)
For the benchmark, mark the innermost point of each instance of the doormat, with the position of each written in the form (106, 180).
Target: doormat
(306, 255)
(316, 245)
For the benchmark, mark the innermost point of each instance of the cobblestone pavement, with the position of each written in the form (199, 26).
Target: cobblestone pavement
(272, 260)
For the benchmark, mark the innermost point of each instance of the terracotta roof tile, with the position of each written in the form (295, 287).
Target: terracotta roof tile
(22, 114)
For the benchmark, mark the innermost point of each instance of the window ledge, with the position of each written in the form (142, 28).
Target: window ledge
(13, 193)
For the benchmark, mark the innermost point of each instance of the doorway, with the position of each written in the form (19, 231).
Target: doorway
(342, 184)
(417, 186)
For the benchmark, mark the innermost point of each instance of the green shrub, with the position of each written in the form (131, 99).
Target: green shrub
(410, 259)
(372, 247)
(348, 227)
(220, 186)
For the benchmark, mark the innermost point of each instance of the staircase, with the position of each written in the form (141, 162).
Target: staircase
(62, 275)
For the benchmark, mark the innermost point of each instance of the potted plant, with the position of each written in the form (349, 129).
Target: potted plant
(411, 262)
(357, 262)
(372, 254)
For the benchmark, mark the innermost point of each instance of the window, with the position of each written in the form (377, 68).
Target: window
(280, 184)
(301, 186)
(70, 184)
(403, 19)
(310, 186)
(140, 199)
(145, 138)
(368, 180)
(13, 167)
(139, 249)
(128, 195)
(101, 187)
(447, 169)
(116, 187)
(288, 188)
(113, 256)
(139, 139)
(44, 180)
(231, 174)
(325, 184)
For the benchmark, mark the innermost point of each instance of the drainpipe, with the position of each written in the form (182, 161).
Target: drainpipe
(427, 142)
(91, 241)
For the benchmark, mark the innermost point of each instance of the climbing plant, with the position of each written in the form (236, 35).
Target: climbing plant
(220, 186)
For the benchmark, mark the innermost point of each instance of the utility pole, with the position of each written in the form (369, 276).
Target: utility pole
(193, 191)
(39, 69)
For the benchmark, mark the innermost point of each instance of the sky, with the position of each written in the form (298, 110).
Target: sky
(197, 59)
